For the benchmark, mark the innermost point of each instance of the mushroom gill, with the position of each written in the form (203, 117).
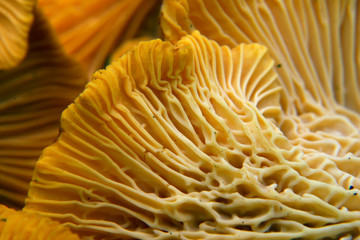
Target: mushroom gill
(16, 18)
(178, 141)
(20, 225)
(316, 48)
(32, 96)
(90, 30)
(315, 43)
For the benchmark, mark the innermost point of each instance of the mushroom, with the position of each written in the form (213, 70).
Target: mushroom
(20, 225)
(16, 19)
(179, 141)
(90, 30)
(316, 48)
(32, 96)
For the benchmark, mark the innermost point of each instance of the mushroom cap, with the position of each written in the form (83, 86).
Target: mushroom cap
(178, 141)
(90, 30)
(32, 97)
(20, 225)
(315, 44)
(16, 19)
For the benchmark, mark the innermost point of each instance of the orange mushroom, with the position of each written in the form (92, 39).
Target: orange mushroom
(32, 96)
(90, 30)
(178, 141)
(20, 225)
(16, 20)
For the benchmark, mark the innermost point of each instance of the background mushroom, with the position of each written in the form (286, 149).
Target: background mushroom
(90, 30)
(16, 19)
(24, 226)
(32, 97)
(179, 142)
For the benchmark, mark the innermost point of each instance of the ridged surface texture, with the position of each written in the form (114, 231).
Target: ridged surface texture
(31, 226)
(180, 142)
(315, 44)
(16, 18)
(32, 97)
(316, 48)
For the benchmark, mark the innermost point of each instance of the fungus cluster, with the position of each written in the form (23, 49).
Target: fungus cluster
(242, 122)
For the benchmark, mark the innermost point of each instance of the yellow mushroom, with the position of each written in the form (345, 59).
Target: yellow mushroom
(316, 48)
(32, 96)
(20, 225)
(178, 141)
